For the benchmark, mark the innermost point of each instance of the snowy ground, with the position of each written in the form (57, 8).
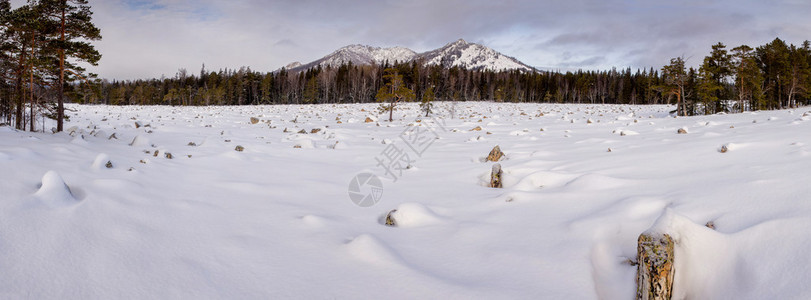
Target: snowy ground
(276, 221)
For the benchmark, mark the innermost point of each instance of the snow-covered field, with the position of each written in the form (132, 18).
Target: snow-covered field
(276, 221)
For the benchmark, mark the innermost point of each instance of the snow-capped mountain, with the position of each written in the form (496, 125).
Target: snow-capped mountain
(361, 55)
(292, 65)
(472, 56)
(457, 54)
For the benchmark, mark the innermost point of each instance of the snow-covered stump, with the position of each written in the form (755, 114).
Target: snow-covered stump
(495, 176)
(654, 272)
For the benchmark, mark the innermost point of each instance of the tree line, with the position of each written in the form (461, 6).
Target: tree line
(772, 76)
(42, 42)
(41, 45)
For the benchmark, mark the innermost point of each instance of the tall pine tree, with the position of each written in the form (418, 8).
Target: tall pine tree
(74, 29)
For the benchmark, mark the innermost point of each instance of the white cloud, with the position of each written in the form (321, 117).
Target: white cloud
(145, 39)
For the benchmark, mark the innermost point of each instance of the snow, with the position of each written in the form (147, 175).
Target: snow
(459, 54)
(362, 55)
(471, 56)
(276, 220)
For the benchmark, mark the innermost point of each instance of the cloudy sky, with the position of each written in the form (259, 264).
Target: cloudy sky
(151, 38)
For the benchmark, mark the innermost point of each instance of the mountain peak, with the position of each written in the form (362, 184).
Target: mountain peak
(292, 65)
(459, 53)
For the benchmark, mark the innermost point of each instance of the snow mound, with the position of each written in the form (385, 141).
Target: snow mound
(139, 141)
(78, 140)
(371, 250)
(476, 139)
(696, 248)
(729, 147)
(594, 182)
(415, 215)
(340, 145)
(54, 192)
(533, 181)
(305, 144)
(100, 162)
(313, 221)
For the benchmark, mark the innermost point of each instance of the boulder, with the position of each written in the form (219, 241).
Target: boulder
(495, 154)
(390, 221)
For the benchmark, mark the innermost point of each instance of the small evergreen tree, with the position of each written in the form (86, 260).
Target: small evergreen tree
(310, 91)
(427, 102)
(393, 92)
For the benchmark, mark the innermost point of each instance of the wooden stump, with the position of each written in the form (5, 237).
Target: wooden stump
(654, 273)
(495, 154)
(495, 176)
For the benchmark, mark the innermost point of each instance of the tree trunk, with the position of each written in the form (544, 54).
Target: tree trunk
(655, 270)
(495, 176)
(20, 90)
(20, 98)
(31, 83)
(60, 110)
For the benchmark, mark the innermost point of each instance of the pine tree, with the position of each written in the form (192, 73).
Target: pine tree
(773, 61)
(748, 78)
(713, 72)
(393, 91)
(310, 91)
(798, 72)
(6, 63)
(75, 29)
(427, 102)
(675, 79)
